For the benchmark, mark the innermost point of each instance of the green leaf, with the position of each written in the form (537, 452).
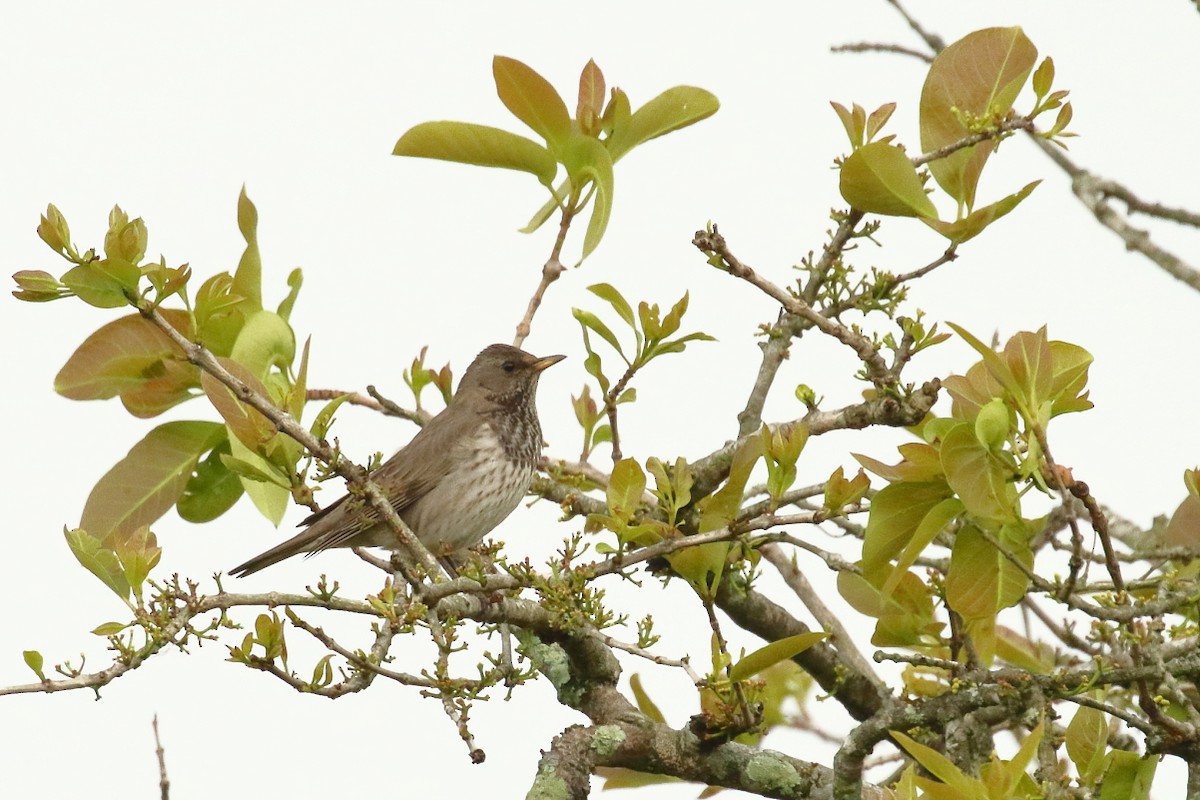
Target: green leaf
(896, 512)
(120, 356)
(976, 78)
(671, 321)
(942, 768)
(138, 552)
(37, 286)
(34, 660)
(606, 291)
(590, 108)
(921, 462)
(675, 108)
(589, 320)
(721, 507)
(853, 121)
(324, 419)
(297, 396)
(773, 653)
(879, 178)
(1030, 361)
(995, 365)
(265, 341)
(219, 314)
(978, 476)
(702, 566)
(211, 490)
(974, 223)
(644, 703)
(481, 145)
(98, 560)
(531, 99)
(549, 207)
(54, 231)
(141, 487)
(1087, 742)
(104, 284)
(294, 281)
(109, 628)
(587, 160)
(247, 424)
(1043, 77)
(266, 487)
(993, 424)
(1128, 776)
(126, 240)
(1071, 363)
(625, 489)
(933, 523)
(247, 280)
(981, 581)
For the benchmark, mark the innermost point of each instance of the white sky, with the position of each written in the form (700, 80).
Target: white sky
(168, 111)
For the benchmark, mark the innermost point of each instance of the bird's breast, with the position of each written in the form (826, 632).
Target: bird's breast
(482, 488)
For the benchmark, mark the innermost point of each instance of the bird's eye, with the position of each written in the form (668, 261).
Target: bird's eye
(508, 366)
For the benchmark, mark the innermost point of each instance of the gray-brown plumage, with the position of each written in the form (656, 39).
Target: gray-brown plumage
(460, 476)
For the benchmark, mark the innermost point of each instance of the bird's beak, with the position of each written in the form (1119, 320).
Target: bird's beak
(548, 361)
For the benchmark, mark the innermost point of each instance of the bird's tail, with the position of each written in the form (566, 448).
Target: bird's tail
(301, 543)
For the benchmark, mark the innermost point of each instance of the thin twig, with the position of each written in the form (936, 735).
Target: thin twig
(847, 651)
(679, 663)
(551, 270)
(712, 243)
(881, 47)
(164, 783)
(363, 665)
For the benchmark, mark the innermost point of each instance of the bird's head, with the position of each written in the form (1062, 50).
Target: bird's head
(502, 373)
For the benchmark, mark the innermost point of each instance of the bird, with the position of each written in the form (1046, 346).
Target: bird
(460, 476)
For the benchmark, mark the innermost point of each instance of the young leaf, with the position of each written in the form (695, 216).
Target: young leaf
(531, 99)
(98, 560)
(589, 320)
(966, 788)
(264, 341)
(974, 223)
(896, 512)
(104, 284)
(34, 660)
(211, 490)
(625, 489)
(141, 487)
(1087, 741)
(978, 77)
(247, 280)
(878, 178)
(673, 109)
(587, 160)
(978, 476)
(644, 703)
(119, 356)
(773, 653)
(138, 552)
(590, 108)
(981, 580)
(481, 145)
(854, 131)
(606, 291)
(295, 280)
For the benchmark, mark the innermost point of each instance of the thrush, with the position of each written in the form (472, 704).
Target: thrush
(461, 475)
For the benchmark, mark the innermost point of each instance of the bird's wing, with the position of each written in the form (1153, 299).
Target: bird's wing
(405, 478)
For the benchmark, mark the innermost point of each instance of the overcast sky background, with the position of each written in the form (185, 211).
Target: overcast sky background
(168, 110)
